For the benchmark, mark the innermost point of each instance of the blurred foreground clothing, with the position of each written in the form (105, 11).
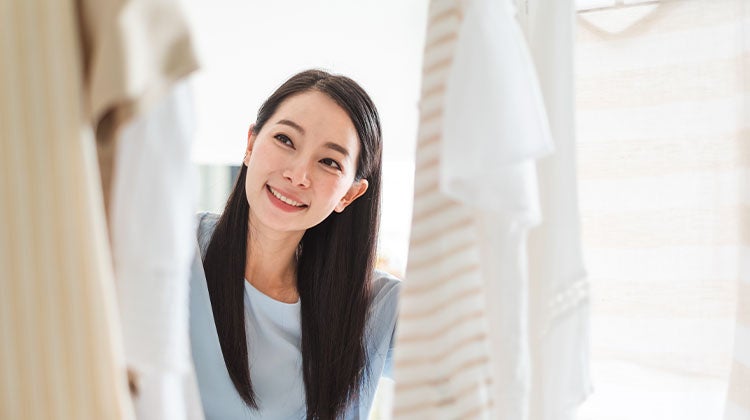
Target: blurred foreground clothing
(663, 104)
(70, 69)
(152, 222)
(476, 318)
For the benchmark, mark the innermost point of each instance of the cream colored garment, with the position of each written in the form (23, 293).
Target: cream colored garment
(153, 226)
(139, 49)
(61, 353)
(664, 130)
(134, 52)
(67, 66)
(462, 328)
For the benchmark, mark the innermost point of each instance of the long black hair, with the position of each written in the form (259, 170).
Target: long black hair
(334, 267)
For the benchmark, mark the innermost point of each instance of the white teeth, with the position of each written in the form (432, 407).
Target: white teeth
(284, 199)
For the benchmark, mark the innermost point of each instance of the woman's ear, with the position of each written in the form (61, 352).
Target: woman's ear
(355, 191)
(250, 141)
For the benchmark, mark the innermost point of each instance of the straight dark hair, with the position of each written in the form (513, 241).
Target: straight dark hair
(335, 263)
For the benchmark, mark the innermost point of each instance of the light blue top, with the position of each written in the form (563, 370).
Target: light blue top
(273, 333)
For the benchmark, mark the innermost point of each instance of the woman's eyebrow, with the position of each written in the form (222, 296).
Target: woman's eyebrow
(337, 147)
(331, 145)
(292, 124)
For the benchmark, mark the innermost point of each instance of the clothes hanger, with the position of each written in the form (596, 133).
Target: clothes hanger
(634, 16)
(618, 4)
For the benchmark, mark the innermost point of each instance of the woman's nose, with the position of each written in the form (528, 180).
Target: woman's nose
(297, 172)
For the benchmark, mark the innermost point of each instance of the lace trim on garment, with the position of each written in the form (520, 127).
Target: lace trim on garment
(565, 302)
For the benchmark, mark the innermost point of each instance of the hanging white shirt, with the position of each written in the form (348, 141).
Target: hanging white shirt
(152, 223)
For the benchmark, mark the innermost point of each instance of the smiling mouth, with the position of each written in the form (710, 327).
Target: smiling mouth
(284, 199)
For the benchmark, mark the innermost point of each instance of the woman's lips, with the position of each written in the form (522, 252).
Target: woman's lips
(283, 202)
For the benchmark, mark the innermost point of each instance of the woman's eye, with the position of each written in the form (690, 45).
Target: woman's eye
(283, 139)
(332, 163)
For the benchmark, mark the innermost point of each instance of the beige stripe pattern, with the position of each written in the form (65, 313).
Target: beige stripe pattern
(60, 345)
(442, 358)
(664, 166)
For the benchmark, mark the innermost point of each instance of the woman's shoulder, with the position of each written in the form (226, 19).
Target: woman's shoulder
(386, 289)
(384, 285)
(383, 315)
(206, 218)
(206, 225)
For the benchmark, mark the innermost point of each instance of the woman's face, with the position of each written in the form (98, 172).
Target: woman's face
(302, 164)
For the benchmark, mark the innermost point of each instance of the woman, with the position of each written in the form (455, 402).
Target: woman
(288, 317)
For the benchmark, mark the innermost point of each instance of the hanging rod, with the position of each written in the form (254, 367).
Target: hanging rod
(619, 5)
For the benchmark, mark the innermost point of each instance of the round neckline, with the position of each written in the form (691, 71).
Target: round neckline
(249, 286)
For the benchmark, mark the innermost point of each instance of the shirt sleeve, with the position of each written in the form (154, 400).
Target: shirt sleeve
(495, 123)
(385, 313)
(388, 367)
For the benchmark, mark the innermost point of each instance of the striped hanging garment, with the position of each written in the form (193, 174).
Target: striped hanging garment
(482, 126)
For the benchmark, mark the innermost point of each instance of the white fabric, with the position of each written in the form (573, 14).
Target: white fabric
(557, 276)
(494, 122)
(495, 127)
(526, 321)
(152, 223)
(505, 273)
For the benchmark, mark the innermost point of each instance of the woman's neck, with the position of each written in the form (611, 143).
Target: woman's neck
(271, 264)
